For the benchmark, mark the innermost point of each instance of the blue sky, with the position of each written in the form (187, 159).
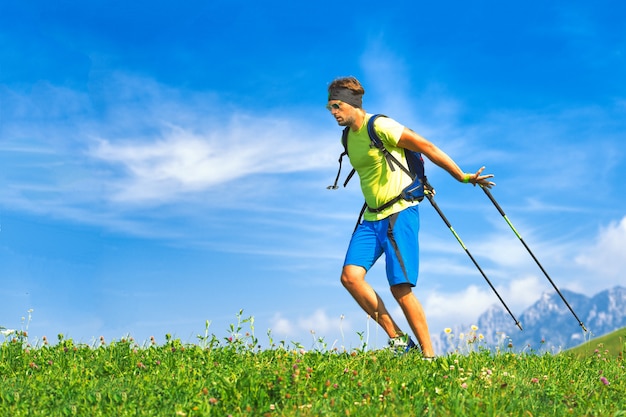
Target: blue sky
(165, 163)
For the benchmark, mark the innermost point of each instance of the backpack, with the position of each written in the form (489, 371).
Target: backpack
(415, 169)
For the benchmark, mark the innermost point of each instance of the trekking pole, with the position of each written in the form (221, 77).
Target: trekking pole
(495, 203)
(429, 195)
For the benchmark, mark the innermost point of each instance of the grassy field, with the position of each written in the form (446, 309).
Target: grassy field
(233, 376)
(613, 344)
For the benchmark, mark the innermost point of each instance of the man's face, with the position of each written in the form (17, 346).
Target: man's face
(342, 112)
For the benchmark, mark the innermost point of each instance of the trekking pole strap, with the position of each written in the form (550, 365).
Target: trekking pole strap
(334, 186)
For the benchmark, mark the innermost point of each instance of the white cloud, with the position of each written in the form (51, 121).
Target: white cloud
(154, 144)
(281, 325)
(522, 292)
(184, 161)
(457, 305)
(317, 325)
(319, 322)
(501, 247)
(462, 307)
(606, 258)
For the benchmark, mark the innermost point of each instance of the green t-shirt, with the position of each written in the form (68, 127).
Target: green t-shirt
(378, 183)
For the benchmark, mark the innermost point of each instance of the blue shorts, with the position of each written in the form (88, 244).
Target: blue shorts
(396, 237)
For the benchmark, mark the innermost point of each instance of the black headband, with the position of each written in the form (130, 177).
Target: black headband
(347, 96)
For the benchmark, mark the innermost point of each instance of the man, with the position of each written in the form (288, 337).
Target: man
(392, 230)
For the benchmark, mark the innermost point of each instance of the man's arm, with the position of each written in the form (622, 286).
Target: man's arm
(412, 141)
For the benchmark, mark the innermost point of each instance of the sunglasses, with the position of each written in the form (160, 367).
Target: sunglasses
(333, 106)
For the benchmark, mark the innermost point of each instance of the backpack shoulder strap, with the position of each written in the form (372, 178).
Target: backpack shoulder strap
(372, 132)
(376, 141)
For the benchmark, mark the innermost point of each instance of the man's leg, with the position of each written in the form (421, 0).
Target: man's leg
(415, 316)
(353, 279)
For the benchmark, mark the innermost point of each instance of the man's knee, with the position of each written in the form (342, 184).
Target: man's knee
(352, 275)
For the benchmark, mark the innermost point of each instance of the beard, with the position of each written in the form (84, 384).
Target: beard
(349, 121)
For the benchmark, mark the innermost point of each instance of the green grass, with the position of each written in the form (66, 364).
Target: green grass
(612, 344)
(233, 376)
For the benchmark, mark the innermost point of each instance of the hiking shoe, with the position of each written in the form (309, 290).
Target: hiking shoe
(402, 344)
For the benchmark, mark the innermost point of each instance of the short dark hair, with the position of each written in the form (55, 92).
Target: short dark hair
(351, 83)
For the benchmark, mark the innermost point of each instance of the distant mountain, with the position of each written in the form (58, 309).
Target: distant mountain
(549, 326)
